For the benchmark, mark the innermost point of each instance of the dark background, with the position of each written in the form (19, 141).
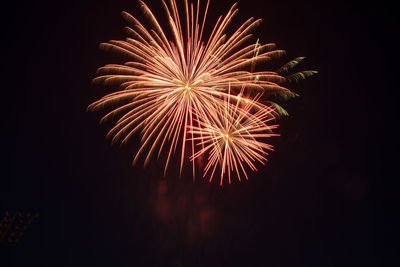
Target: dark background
(325, 198)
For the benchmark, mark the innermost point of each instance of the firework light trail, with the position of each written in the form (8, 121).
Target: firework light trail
(171, 90)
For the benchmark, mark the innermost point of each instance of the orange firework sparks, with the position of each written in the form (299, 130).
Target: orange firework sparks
(231, 136)
(170, 86)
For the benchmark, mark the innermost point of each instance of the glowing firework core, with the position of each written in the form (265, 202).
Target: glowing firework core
(227, 138)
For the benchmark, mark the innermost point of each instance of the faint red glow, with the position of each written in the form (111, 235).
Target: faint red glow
(162, 202)
(206, 218)
(192, 213)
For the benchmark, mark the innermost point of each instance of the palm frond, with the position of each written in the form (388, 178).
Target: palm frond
(300, 75)
(278, 109)
(290, 65)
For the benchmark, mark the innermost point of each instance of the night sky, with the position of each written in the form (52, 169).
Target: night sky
(321, 200)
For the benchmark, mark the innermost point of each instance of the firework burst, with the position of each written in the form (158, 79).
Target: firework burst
(171, 89)
(231, 136)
